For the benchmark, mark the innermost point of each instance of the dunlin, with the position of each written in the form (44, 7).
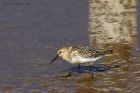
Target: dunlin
(80, 54)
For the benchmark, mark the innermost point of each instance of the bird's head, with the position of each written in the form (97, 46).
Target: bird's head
(61, 53)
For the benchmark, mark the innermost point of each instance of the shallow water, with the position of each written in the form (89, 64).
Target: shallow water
(31, 33)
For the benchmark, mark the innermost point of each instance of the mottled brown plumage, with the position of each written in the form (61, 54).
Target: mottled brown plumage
(80, 54)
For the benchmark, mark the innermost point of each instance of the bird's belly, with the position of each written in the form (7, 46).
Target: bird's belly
(79, 59)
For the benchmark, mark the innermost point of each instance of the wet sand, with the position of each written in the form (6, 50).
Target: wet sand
(31, 33)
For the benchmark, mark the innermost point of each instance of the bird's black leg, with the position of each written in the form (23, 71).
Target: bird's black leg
(89, 68)
(78, 66)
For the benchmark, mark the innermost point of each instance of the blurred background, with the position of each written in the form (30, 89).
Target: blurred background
(32, 31)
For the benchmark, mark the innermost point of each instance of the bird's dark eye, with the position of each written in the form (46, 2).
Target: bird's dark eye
(60, 52)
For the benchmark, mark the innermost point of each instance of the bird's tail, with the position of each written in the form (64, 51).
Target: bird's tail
(107, 52)
(104, 53)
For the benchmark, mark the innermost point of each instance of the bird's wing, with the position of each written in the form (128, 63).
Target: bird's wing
(85, 51)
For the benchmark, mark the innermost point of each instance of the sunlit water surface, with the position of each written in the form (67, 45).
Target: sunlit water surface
(30, 36)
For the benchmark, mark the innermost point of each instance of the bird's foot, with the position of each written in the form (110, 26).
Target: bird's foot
(67, 74)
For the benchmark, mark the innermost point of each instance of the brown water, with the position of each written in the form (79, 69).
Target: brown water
(30, 34)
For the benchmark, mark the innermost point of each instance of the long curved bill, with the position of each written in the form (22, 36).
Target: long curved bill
(54, 59)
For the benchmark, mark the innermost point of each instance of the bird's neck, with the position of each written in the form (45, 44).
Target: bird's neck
(66, 56)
